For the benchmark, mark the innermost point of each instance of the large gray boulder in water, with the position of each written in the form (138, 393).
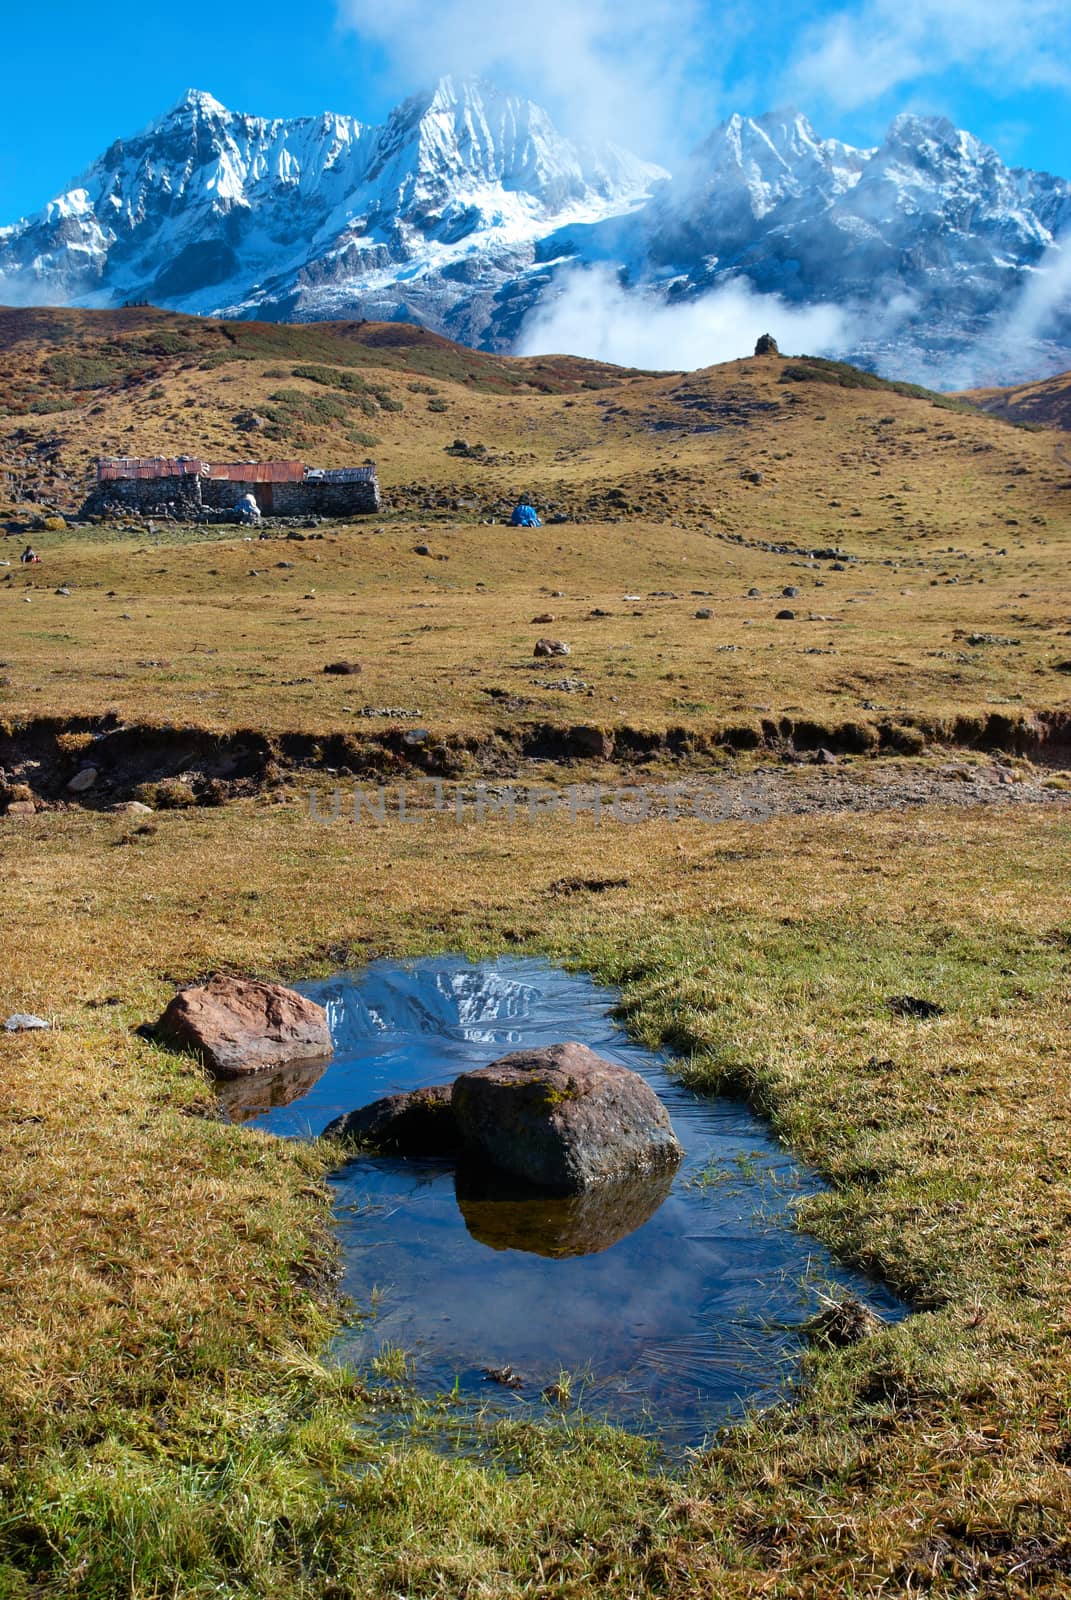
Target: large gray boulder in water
(563, 1118)
(240, 1025)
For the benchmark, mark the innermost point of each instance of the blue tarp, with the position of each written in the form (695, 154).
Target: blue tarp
(524, 516)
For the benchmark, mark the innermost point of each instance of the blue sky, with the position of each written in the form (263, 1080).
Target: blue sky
(656, 74)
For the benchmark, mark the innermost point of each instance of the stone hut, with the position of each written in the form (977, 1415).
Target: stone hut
(189, 488)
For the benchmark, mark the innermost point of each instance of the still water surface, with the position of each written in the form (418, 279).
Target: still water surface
(672, 1305)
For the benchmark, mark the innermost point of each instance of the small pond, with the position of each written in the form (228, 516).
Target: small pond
(671, 1308)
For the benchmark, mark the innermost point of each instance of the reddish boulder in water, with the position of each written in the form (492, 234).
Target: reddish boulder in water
(240, 1025)
(563, 1118)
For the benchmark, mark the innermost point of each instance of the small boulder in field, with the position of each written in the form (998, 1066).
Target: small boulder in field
(420, 1123)
(240, 1025)
(785, 616)
(343, 669)
(704, 613)
(551, 647)
(83, 780)
(563, 1118)
(25, 1022)
(544, 616)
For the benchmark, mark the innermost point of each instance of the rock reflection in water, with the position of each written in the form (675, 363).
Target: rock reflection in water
(242, 1099)
(508, 1215)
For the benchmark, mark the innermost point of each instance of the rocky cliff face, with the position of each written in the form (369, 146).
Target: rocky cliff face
(465, 207)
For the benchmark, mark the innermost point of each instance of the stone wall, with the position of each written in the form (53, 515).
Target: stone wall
(309, 498)
(178, 497)
(190, 496)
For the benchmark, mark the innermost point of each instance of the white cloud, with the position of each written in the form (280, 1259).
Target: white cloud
(614, 68)
(594, 316)
(1026, 342)
(871, 49)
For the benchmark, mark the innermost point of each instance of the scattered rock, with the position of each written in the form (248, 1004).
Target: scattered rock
(343, 669)
(25, 1022)
(421, 550)
(20, 808)
(585, 885)
(785, 616)
(83, 780)
(544, 616)
(132, 808)
(563, 1118)
(790, 591)
(420, 1123)
(826, 758)
(909, 1005)
(704, 613)
(505, 1376)
(551, 647)
(240, 1025)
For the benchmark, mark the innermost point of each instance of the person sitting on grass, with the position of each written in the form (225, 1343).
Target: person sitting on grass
(524, 514)
(29, 555)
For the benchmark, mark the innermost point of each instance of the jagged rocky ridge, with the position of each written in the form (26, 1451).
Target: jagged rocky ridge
(467, 210)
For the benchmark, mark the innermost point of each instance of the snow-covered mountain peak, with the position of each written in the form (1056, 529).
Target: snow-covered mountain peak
(197, 102)
(466, 208)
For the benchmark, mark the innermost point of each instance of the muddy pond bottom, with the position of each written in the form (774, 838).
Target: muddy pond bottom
(665, 1306)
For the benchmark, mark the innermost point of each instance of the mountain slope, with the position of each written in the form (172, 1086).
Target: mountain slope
(467, 211)
(1046, 404)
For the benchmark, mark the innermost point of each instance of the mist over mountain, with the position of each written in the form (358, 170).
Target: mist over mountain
(469, 212)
